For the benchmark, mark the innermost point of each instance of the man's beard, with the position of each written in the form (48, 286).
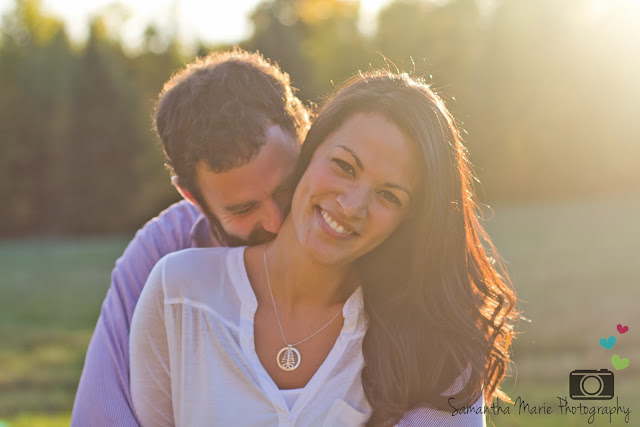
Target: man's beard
(257, 236)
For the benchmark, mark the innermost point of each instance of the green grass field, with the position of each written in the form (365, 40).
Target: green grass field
(50, 297)
(573, 264)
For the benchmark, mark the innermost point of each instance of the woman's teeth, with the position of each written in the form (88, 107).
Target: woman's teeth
(333, 224)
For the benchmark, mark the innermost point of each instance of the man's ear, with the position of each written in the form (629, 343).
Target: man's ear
(184, 192)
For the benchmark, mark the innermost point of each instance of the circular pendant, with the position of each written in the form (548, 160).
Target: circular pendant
(288, 358)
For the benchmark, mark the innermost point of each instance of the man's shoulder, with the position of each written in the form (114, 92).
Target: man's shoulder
(177, 216)
(172, 226)
(170, 231)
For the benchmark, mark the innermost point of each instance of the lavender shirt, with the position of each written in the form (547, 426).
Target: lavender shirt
(103, 397)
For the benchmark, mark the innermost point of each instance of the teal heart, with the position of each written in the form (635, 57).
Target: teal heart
(608, 344)
(619, 363)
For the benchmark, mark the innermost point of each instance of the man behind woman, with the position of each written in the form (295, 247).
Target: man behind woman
(230, 127)
(376, 301)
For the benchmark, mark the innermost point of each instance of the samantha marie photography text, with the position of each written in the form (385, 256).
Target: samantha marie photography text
(564, 407)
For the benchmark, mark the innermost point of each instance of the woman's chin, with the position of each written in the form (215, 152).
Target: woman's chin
(324, 244)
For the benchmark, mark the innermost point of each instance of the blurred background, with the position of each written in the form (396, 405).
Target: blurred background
(547, 92)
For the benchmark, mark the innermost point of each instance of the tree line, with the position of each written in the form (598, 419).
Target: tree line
(545, 91)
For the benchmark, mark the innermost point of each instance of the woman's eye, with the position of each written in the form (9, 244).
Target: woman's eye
(390, 197)
(345, 166)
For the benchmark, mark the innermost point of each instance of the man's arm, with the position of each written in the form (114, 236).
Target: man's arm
(103, 397)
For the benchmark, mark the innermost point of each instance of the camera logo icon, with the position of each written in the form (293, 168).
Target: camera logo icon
(591, 384)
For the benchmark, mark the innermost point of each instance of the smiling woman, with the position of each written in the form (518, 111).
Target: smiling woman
(356, 190)
(373, 305)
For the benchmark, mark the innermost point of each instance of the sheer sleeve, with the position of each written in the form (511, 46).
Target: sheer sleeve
(469, 416)
(430, 417)
(149, 355)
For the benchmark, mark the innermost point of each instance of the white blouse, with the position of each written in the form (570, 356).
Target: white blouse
(193, 358)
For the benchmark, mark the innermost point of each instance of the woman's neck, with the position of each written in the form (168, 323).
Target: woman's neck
(298, 280)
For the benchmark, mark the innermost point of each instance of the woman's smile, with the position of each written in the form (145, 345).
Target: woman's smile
(334, 226)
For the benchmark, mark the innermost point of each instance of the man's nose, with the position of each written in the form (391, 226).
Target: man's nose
(272, 216)
(354, 202)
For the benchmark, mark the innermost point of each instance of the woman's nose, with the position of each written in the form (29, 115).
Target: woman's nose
(354, 203)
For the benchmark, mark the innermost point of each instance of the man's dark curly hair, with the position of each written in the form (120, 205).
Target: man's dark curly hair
(217, 110)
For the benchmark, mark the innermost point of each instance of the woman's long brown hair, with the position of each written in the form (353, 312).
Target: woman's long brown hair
(439, 304)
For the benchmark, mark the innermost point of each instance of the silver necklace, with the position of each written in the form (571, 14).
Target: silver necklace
(288, 357)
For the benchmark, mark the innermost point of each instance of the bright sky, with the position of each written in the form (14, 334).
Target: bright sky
(210, 20)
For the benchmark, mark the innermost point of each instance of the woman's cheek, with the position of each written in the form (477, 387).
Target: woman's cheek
(321, 179)
(333, 179)
(386, 221)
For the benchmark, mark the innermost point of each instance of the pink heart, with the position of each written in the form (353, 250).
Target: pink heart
(622, 329)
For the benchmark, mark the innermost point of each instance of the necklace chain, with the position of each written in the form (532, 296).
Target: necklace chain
(273, 300)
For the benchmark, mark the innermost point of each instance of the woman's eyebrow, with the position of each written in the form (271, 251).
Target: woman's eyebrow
(359, 163)
(355, 157)
(399, 187)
